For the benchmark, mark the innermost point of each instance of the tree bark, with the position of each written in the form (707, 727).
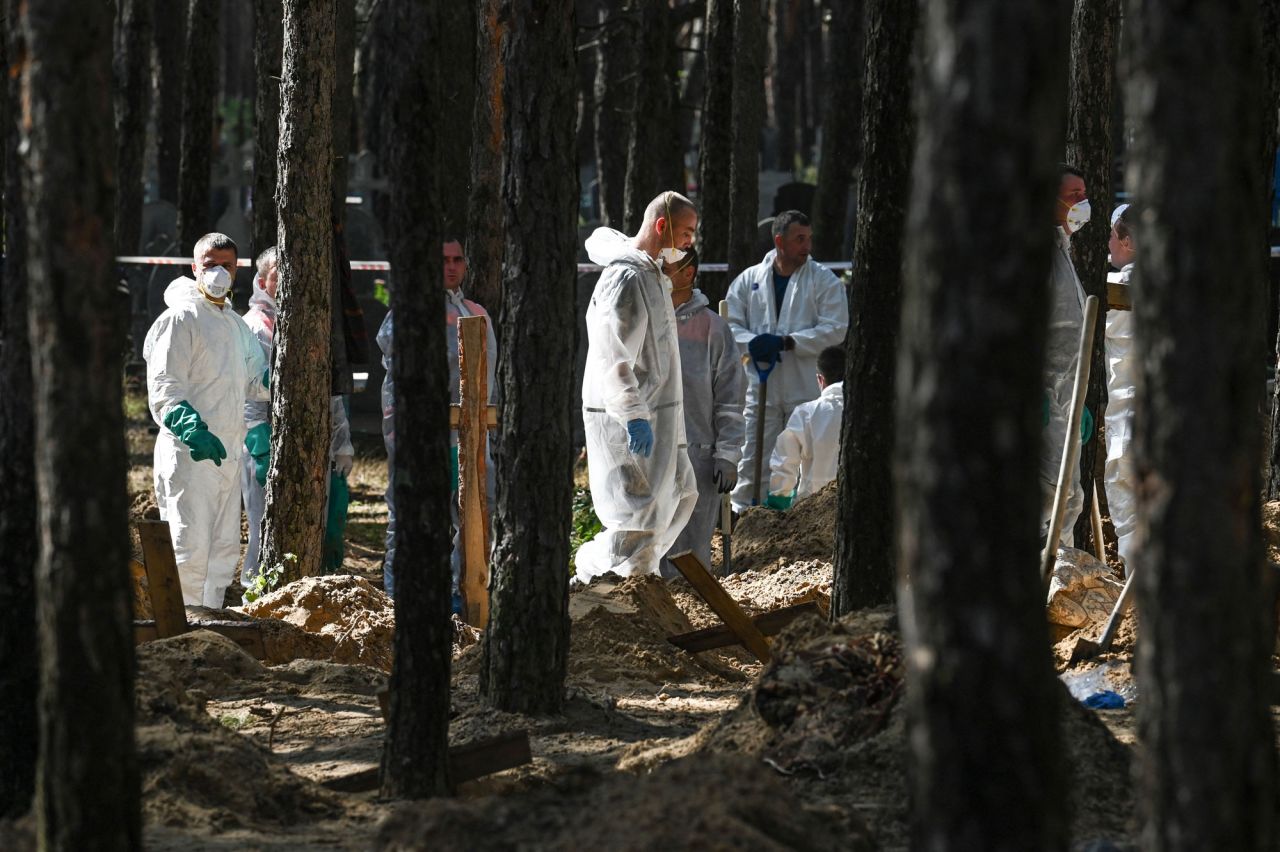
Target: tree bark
(77, 340)
(788, 67)
(19, 534)
(866, 557)
(268, 30)
(293, 524)
(199, 97)
(842, 124)
(1270, 94)
(615, 92)
(527, 643)
(654, 162)
(1196, 434)
(486, 229)
(1095, 29)
(170, 34)
(458, 88)
(132, 93)
(973, 341)
(746, 126)
(715, 153)
(415, 754)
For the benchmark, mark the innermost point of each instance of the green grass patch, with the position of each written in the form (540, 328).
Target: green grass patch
(585, 524)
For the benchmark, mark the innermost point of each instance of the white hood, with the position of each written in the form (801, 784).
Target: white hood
(696, 302)
(181, 291)
(260, 298)
(606, 246)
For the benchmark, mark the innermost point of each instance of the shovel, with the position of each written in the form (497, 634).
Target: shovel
(763, 375)
(1086, 648)
(726, 504)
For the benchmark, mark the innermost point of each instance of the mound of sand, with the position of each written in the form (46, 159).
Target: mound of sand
(358, 618)
(762, 538)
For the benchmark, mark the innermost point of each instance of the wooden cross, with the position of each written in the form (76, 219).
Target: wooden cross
(473, 417)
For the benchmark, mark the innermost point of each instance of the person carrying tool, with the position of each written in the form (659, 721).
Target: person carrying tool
(1119, 475)
(642, 483)
(784, 311)
(1066, 316)
(807, 453)
(714, 391)
(261, 319)
(203, 365)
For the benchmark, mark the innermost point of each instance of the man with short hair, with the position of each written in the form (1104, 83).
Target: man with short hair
(784, 311)
(806, 455)
(1066, 316)
(203, 365)
(642, 483)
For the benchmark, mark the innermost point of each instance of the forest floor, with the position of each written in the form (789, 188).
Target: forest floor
(655, 749)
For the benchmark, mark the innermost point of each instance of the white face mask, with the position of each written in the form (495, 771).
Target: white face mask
(671, 255)
(215, 282)
(1078, 215)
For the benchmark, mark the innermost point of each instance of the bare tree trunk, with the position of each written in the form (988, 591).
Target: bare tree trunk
(866, 542)
(486, 229)
(527, 643)
(653, 153)
(973, 341)
(199, 98)
(716, 149)
(1196, 436)
(842, 124)
(170, 34)
(615, 90)
(77, 340)
(458, 87)
(19, 534)
(132, 95)
(293, 524)
(1270, 94)
(788, 51)
(268, 30)
(1095, 29)
(747, 124)
(415, 753)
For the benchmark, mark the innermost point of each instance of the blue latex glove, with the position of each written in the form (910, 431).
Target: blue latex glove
(766, 348)
(258, 443)
(185, 422)
(641, 434)
(1105, 700)
(780, 502)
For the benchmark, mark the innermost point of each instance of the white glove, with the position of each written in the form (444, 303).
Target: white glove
(342, 464)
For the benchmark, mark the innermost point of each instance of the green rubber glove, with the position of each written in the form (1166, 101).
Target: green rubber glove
(1086, 426)
(185, 422)
(266, 379)
(258, 443)
(453, 467)
(781, 502)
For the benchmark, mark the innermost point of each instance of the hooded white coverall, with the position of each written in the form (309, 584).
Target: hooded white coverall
(1066, 317)
(204, 354)
(261, 319)
(714, 388)
(633, 372)
(1121, 374)
(807, 452)
(815, 314)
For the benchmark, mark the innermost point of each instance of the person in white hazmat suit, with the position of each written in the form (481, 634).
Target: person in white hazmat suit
(783, 311)
(261, 319)
(642, 484)
(806, 455)
(1119, 477)
(714, 389)
(203, 365)
(1066, 317)
(456, 305)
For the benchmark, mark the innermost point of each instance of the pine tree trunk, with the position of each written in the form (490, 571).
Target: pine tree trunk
(297, 482)
(788, 52)
(458, 86)
(199, 99)
(84, 801)
(170, 35)
(746, 126)
(415, 754)
(653, 152)
(1204, 722)
(344, 51)
(132, 78)
(268, 30)
(1095, 29)
(615, 93)
(866, 544)
(19, 534)
(485, 229)
(980, 685)
(842, 124)
(1270, 94)
(527, 643)
(715, 152)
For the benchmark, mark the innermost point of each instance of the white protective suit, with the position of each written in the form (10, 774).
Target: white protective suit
(261, 319)
(456, 305)
(714, 389)
(633, 372)
(807, 452)
(206, 355)
(815, 314)
(1121, 375)
(1066, 317)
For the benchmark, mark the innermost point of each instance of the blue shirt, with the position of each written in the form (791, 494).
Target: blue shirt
(779, 290)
